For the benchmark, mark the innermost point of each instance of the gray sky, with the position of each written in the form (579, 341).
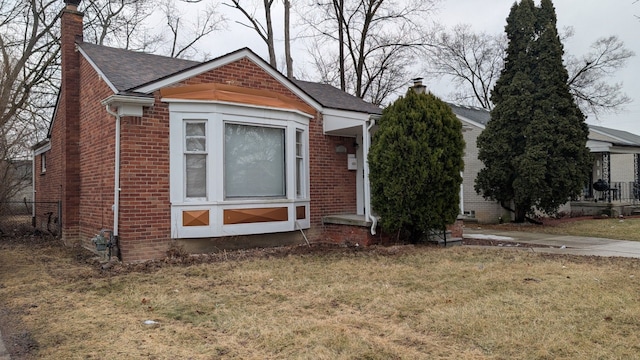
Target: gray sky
(590, 19)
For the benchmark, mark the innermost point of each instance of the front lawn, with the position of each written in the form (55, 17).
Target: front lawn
(329, 303)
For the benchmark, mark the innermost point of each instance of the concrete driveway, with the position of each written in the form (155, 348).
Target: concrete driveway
(562, 244)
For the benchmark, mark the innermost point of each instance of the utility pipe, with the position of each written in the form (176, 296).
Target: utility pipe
(116, 180)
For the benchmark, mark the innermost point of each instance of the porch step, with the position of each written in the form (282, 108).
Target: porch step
(453, 241)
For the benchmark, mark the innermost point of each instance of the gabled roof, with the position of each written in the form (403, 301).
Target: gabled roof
(125, 69)
(622, 137)
(130, 71)
(334, 98)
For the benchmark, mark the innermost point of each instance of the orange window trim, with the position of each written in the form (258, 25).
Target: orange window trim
(235, 94)
(255, 215)
(195, 218)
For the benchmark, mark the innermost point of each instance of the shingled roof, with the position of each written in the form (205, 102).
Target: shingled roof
(482, 117)
(334, 98)
(473, 113)
(126, 70)
(624, 137)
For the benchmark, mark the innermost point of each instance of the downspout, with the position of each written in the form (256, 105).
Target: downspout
(366, 139)
(116, 180)
(33, 188)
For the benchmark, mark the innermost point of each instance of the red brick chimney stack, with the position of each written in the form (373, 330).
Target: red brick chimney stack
(418, 87)
(69, 108)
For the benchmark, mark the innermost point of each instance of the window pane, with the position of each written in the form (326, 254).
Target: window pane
(196, 144)
(299, 163)
(254, 163)
(195, 129)
(299, 171)
(196, 175)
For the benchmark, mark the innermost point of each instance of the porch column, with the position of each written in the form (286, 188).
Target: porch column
(366, 144)
(606, 171)
(636, 176)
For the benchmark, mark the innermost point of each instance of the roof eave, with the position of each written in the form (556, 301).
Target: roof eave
(128, 105)
(221, 61)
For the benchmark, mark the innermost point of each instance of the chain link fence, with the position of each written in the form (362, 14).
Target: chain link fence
(18, 218)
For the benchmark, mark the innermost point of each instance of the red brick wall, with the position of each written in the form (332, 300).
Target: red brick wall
(333, 186)
(62, 180)
(241, 73)
(145, 210)
(97, 154)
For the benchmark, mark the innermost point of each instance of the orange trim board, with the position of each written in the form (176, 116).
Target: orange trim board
(255, 215)
(237, 94)
(195, 218)
(301, 212)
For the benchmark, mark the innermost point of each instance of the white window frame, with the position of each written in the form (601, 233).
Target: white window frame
(217, 115)
(188, 152)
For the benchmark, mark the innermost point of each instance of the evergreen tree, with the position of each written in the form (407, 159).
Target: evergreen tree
(534, 148)
(415, 162)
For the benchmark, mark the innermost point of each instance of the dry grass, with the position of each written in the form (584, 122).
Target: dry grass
(392, 303)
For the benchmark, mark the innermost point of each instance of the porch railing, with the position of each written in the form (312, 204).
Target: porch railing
(628, 192)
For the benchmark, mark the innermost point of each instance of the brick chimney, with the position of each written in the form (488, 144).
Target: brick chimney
(69, 118)
(418, 87)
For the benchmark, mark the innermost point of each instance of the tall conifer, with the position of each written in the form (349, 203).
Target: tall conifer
(534, 148)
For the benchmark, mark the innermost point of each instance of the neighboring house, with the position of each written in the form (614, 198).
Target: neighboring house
(17, 180)
(222, 154)
(616, 161)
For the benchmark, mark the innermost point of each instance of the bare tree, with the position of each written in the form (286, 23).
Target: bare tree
(265, 31)
(473, 61)
(260, 19)
(128, 24)
(184, 34)
(371, 37)
(120, 23)
(28, 50)
(287, 38)
(588, 74)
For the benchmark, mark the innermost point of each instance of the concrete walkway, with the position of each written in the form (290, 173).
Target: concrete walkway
(562, 244)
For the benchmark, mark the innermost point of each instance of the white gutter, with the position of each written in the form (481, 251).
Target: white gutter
(116, 180)
(127, 105)
(366, 140)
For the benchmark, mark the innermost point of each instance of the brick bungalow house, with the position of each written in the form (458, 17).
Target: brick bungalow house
(222, 154)
(616, 161)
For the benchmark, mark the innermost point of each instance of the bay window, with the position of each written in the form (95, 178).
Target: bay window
(237, 170)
